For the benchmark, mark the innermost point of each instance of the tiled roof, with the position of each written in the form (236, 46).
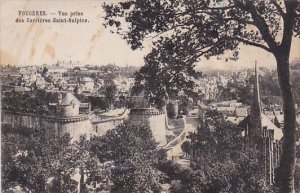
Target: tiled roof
(279, 118)
(266, 122)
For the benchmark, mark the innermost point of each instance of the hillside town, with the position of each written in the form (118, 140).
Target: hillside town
(150, 96)
(66, 98)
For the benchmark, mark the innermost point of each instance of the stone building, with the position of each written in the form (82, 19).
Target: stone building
(67, 115)
(143, 114)
(259, 133)
(263, 134)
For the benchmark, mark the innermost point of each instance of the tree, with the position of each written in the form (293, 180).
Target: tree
(186, 147)
(183, 31)
(33, 159)
(185, 104)
(222, 162)
(244, 175)
(98, 102)
(40, 161)
(216, 138)
(235, 91)
(159, 83)
(133, 151)
(110, 91)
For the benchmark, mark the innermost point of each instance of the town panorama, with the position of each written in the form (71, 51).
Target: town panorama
(150, 96)
(113, 136)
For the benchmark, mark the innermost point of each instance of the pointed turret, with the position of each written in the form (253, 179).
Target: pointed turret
(255, 115)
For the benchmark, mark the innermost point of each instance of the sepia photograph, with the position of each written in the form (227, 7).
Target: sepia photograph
(150, 96)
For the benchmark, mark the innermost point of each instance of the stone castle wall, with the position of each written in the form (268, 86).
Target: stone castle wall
(155, 119)
(17, 119)
(101, 127)
(69, 110)
(75, 129)
(75, 126)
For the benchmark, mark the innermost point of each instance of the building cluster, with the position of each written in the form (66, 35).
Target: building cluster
(209, 87)
(261, 124)
(67, 77)
(64, 115)
(261, 127)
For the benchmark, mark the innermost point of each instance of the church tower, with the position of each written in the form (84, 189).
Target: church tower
(256, 111)
(263, 135)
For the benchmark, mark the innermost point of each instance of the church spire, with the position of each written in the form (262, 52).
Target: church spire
(256, 93)
(256, 107)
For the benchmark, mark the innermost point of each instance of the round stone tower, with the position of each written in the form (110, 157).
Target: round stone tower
(69, 106)
(66, 118)
(172, 109)
(152, 117)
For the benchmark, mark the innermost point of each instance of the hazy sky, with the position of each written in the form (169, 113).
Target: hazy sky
(88, 43)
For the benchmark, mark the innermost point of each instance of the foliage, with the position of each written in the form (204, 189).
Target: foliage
(44, 72)
(185, 104)
(183, 31)
(34, 160)
(222, 162)
(243, 92)
(98, 102)
(132, 150)
(186, 146)
(269, 84)
(244, 175)
(34, 100)
(158, 81)
(42, 162)
(110, 91)
(216, 138)
(173, 171)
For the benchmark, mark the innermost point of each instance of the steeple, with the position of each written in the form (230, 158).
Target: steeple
(255, 114)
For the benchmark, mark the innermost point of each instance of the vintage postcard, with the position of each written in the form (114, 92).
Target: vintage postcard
(150, 96)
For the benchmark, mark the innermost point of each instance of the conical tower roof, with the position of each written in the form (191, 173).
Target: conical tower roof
(69, 99)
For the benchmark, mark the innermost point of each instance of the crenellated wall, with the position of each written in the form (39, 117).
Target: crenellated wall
(154, 118)
(75, 125)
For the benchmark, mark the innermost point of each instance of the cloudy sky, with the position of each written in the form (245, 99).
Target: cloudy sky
(88, 43)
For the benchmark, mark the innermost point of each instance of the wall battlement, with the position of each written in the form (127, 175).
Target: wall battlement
(146, 111)
(66, 119)
(49, 118)
(74, 125)
(154, 118)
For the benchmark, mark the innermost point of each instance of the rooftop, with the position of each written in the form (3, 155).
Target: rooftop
(69, 99)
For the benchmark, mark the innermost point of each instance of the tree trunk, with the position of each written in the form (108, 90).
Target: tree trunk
(287, 160)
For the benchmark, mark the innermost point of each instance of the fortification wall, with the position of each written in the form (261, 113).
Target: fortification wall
(71, 110)
(101, 127)
(75, 129)
(16, 119)
(155, 120)
(172, 109)
(158, 128)
(75, 126)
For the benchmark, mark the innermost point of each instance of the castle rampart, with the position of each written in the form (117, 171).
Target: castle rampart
(152, 117)
(74, 125)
